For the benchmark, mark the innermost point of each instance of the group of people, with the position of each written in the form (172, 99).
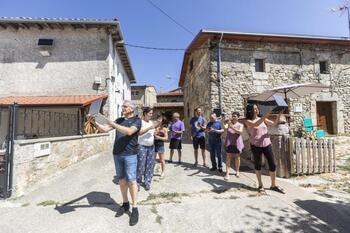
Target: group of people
(139, 141)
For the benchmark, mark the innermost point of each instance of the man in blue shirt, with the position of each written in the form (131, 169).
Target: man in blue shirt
(198, 135)
(215, 129)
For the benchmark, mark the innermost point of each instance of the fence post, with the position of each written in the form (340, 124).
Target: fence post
(334, 156)
(298, 151)
(314, 147)
(303, 157)
(325, 155)
(319, 154)
(308, 151)
(290, 163)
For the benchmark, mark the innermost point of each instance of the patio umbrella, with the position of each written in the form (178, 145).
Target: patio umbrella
(290, 91)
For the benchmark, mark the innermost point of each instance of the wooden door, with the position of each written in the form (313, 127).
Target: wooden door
(324, 116)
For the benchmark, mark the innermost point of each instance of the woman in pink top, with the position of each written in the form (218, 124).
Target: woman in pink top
(233, 143)
(260, 144)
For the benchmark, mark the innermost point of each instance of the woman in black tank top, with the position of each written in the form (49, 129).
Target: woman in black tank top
(160, 136)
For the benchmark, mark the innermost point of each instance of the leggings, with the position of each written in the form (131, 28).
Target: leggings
(267, 151)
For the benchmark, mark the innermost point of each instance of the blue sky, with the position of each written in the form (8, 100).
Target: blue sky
(144, 25)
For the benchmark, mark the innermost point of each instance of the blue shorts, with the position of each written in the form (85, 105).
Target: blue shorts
(159, 149)
(126, 166)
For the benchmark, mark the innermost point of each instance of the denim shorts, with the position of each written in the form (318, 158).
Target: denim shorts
(126, 166)
(158, 148)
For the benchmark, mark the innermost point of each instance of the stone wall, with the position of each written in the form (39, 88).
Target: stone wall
(65, 151)
(197, 87)
(284, 64)
(167, 99)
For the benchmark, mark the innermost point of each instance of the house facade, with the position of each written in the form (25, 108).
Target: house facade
(54, 69)
(251, 63)
(142, 96)
(170, 102)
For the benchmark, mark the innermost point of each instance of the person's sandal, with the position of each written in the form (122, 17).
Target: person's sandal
(277, 189)
(227, 178)
(261, 189)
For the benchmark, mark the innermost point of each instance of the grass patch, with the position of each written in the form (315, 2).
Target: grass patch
(159, 219)
(15, 198)
(25, 204)
(154, 209)
(47, 203)
(165, 195)
(163, 198)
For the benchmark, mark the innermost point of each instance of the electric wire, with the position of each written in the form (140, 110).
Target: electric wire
(171, 18)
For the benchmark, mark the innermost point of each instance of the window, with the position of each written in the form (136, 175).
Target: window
(191, 65)
(259, 65)
(135, 93)
(324, 68)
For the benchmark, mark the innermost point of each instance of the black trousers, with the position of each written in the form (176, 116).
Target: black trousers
(267, 151)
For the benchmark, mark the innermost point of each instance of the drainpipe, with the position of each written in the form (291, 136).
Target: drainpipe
(219, 73)
(111, 95)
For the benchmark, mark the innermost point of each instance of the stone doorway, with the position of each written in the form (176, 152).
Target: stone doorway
(326, 115)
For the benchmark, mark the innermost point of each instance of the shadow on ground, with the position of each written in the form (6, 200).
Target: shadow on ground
(94, 199)
(288, 219)
(335, 214)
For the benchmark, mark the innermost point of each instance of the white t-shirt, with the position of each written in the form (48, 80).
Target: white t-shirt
(146, 139)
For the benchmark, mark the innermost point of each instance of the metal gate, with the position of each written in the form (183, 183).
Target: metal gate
(8, 135)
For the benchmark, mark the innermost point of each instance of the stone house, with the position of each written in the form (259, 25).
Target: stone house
(143, 95)
(170, 102)
(253, 62)
(54, 69)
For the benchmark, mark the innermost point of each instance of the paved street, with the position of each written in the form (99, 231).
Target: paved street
(83, 198)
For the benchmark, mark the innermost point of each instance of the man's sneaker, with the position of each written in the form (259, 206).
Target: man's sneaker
(213, 169)
(220, 170)
(134, 217)
(122, 209)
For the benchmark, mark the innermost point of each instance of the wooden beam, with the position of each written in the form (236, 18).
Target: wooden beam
(73, 26)
(85, 27)
(48, 25)
(59, 26)
(40, 27)
(22, 25)
(14, 26)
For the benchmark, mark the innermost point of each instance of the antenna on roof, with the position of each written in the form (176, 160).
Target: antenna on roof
(342, 9)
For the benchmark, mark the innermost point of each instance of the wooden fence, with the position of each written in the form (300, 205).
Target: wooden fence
(313, 156)
(300, 156)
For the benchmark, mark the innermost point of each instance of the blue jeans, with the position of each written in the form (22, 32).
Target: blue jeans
(215, 151)
(125, 166)
(145, 165)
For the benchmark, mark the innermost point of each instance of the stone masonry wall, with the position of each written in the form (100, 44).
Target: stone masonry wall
(197, 88)
(29, 170)
(284, 64)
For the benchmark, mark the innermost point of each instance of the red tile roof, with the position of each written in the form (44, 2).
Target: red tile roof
(77, 100)
(175, 92)
(170, 94)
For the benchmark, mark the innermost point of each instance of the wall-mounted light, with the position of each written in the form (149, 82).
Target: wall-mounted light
(98, 81)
